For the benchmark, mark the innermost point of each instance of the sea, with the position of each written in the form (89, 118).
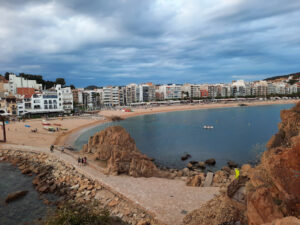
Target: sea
(239, 134)
(29, 209)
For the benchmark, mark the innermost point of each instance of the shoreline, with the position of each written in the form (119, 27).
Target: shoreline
(70, 137)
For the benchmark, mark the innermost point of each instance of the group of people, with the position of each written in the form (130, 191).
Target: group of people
(82, 161)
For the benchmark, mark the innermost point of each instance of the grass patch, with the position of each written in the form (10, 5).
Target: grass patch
(68, 215)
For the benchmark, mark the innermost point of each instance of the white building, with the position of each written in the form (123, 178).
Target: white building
(146, 92)
(46, 102)
(67, 99)
(171, 91)
(131, 94)
(238, 88)
(20, 82)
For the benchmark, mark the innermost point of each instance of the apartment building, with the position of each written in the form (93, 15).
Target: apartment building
(66, 98)
(146, 92)
(131, 93)
(171, 91)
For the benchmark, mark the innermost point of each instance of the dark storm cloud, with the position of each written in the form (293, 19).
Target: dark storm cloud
(124, 41)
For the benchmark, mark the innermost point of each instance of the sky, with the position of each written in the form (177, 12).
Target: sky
(117, 42)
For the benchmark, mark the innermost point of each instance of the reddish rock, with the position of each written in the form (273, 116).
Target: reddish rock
(117, 149)
(194, 181)
(290, 220)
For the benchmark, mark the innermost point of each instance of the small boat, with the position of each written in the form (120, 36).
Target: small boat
(45, 123)
(208, 127)
(48, 128)
(57, 124)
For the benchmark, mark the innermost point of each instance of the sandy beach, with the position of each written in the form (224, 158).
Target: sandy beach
(196, 106)
(17, 133)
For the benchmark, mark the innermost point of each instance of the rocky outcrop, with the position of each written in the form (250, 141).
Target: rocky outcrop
(220, 210)
(274, 187)
(15, 196)
(117, 149)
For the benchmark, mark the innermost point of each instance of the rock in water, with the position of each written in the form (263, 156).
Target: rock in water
(210, 161)
(201, 165)
(15, 195)
(185, 157)
(232, 164)
(115, 147)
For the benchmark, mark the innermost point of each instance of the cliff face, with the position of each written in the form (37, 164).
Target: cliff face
(274, 187)
(115, 147)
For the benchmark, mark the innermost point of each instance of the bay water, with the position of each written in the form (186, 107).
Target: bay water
(240, 134)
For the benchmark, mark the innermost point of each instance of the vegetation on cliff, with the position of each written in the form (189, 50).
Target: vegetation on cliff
(70, 215)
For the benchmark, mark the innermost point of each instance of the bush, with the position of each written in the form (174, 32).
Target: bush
(71, 216)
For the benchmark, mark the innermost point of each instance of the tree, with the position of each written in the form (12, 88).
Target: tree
(72, 86)
(6, 75)
(60, 81)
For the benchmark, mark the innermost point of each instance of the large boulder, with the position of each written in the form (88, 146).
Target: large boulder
(118, 150)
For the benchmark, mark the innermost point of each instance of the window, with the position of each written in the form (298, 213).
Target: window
(46, 106)
(45, 102)
(50, 106)
(50, 101)
(55, 106)
(54, 102)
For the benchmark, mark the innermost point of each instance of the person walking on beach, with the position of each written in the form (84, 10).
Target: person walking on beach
(79, 160)
(62, 149)
(84, 160)
(51, 148)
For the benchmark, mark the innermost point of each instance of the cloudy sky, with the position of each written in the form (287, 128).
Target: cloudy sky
(117, 42)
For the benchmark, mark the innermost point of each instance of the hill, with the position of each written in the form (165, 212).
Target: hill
(296, 76)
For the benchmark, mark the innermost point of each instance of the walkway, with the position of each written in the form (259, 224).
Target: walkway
(169, 200)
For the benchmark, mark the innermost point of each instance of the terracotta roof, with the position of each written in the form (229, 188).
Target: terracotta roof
(25, 91)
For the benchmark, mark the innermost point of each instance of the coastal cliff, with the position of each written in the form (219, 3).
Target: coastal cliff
(118, 150)
(272, 194)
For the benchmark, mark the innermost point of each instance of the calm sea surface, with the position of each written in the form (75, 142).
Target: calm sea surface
(240, 134)
(25, 210)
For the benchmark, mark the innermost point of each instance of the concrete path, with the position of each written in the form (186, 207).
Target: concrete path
(169, 200)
